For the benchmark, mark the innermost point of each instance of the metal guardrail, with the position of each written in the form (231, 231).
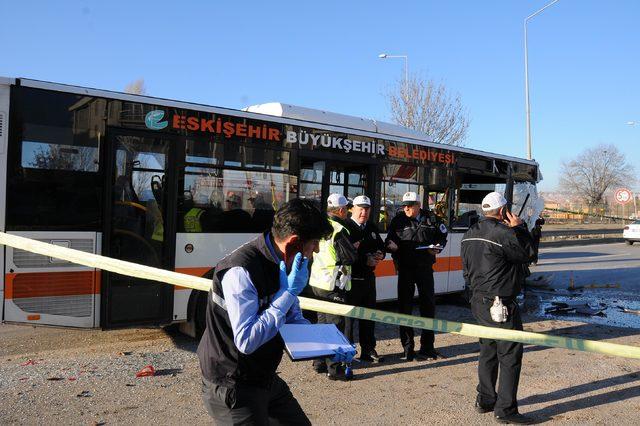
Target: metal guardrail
(577, 232)
(595, 215)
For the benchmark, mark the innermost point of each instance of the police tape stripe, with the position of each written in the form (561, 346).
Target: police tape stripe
(197, 283)
(106, 263)
(472, 330)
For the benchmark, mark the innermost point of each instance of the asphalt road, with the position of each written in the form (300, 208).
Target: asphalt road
(604, 276)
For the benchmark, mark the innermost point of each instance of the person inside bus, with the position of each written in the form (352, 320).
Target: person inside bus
(262, 215)
(234, 218)
(410, 231)
(254, 293)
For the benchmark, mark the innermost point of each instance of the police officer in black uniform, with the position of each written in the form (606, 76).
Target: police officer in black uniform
(495, 253)
(363, 278)
(409, 232)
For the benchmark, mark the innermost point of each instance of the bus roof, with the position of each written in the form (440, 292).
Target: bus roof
(283, 113)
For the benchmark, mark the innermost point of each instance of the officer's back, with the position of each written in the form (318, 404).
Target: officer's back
(494, 255)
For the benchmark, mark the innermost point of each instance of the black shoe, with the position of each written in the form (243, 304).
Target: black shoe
(377, 358)
(482, 410)
(340, 374)
(365, 358)
(408, 356)
(320, 368)
(341, 377)
(515, 419)
(371, 356)
(431, 355)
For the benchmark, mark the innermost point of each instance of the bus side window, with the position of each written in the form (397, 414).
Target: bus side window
(469, 195)
(233, 201)
(397, 179)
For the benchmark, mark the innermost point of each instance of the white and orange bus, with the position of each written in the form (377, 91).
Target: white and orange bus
(177, 185)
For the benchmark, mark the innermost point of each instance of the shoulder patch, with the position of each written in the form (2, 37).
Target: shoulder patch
(443, 228)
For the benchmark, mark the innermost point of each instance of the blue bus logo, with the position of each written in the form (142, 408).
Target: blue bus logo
(152, 120)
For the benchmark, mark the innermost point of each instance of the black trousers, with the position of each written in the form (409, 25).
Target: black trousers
(499, 361)
(336, 296)
(362, 293)
(251, 405)
(408, 279)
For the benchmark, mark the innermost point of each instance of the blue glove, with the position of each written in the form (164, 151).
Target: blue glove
(344, 355)
(297, 278)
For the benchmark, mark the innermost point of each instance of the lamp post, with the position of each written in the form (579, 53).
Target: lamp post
(406, 67)
(526, 76)
(635, 207)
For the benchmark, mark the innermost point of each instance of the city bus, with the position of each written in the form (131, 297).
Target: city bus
(178, 185)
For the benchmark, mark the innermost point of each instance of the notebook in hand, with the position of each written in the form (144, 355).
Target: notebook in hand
(431, 246)
(308, 341)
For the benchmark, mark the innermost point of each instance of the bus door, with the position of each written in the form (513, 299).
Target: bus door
(139, 226)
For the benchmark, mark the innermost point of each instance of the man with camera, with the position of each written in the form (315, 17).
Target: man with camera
(495, 253)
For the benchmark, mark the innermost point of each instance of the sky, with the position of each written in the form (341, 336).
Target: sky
(583, 60)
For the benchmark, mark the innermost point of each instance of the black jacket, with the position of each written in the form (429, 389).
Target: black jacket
(495, 258)
(370, 242)
(220, 360)
(346, 253)
(410, 233)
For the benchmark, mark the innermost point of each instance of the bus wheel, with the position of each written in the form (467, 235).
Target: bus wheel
(201, 314)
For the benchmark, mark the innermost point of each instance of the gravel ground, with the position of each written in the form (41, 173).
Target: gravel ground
(87, 377)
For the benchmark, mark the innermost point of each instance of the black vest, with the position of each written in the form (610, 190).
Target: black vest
(220, 360)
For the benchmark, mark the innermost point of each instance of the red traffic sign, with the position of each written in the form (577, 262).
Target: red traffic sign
(623, 196)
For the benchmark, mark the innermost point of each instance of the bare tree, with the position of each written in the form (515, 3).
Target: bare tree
(428, 107)
(136, 87)
(594, 172)
(64, 157)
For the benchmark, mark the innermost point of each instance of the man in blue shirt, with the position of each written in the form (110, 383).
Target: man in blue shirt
(254, 293)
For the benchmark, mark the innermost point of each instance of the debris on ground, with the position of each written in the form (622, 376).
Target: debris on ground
(124, 353)
(594, 286)
(85, 394)
(146, 371)
(574, 307)
(629, 311)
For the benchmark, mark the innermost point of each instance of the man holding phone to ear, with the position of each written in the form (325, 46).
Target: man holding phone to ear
(254, 293)
(495, 252)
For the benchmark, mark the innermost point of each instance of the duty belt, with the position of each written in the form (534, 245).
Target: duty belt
(505, 300)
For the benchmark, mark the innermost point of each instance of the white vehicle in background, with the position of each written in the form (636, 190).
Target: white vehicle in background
(631, 233)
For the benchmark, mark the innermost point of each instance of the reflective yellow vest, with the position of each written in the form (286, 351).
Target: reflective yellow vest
(325, 274)
(192, 220)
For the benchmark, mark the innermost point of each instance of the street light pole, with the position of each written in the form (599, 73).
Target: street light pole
(406, 68)
(526, 77)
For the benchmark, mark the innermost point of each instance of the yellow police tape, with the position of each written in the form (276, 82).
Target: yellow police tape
(197, 283)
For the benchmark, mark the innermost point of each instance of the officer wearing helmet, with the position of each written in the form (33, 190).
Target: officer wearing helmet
(409, 234)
